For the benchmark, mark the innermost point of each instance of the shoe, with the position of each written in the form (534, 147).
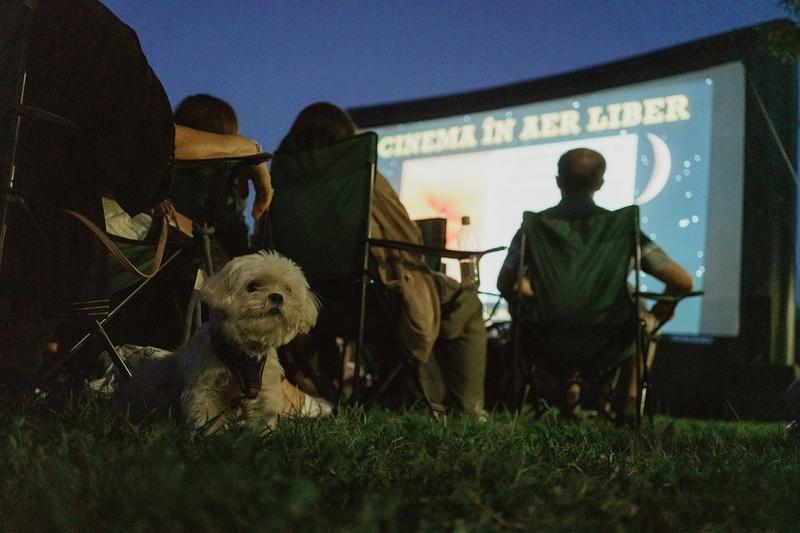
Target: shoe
(314, 407)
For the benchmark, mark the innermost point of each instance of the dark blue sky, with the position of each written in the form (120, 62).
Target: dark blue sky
(270, 59)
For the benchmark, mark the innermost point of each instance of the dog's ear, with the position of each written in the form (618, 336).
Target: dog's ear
(310, 310)
(217, 291)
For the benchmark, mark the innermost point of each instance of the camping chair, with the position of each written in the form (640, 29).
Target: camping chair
(320, 219)
(434, 233)
(137, 277)
(583, 322)
(126, 277)
(203, 190)
(75, 123)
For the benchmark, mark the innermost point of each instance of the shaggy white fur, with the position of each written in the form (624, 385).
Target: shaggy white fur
(257, 303)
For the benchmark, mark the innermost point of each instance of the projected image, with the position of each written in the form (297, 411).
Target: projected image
(458, 185)
(657, 138)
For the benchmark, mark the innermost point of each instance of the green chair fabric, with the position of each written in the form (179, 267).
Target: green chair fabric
(582, 310)
(333, 184)
(433, 232)
(206, 192)
(320, 219)
(142, 255)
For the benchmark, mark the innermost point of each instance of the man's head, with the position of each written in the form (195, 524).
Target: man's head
(580, 171)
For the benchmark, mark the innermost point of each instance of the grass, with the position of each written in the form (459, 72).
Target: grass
(80, 467)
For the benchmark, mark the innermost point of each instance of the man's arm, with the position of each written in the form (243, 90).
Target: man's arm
(198, 144)
(508, 281)
(677, 282)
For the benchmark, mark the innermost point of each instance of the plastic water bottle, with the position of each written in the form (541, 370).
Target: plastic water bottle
(467, 240)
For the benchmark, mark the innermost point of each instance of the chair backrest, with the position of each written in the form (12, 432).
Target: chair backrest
(321, 210)
(206, 191)
(434, 233)
(582, 311)
(202, 192)
(579, 267)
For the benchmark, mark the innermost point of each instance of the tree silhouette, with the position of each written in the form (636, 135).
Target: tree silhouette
(784, 41)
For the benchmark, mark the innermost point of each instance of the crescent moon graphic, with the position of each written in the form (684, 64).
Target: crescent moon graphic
(662, 163)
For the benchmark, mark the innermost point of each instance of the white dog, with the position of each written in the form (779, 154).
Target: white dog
(229, 371)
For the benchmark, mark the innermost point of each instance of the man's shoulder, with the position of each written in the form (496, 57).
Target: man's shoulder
(569, 211)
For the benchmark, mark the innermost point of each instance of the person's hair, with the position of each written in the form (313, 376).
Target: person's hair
(207, 113)
(580, 170)
(319, 124)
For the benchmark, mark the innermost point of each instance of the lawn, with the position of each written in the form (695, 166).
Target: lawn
(78, 467)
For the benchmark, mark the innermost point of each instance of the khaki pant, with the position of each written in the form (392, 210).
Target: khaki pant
(454, 375)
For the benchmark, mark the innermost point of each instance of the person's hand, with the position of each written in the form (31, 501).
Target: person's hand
(262, 184)
(524, 287)
(183, 223)
(163, 209)
(663, 311)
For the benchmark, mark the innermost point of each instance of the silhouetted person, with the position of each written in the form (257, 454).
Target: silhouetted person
(580, 175)
(439, 326)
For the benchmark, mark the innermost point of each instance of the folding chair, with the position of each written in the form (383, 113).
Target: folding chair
(204, 191)
(583, 321)
(434, 233)
(82, 114)
(136, 280)
(320, 218)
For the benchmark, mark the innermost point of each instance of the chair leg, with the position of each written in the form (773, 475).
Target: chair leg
(358, 352)
(648, 356)
(298, 363)
(627, 393)
(642, 350)
(102, 337)
(385, 382)
(193, 317)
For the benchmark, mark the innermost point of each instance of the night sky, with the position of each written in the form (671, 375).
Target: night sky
(270, 59)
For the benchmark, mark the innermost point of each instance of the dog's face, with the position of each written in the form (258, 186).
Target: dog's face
(261, 298)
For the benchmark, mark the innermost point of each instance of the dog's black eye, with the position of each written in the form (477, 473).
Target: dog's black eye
(252, 286)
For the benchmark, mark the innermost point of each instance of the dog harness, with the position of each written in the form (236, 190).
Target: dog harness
(247, 369)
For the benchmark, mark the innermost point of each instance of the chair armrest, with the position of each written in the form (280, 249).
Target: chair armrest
(431, 250)
(669, 298)
(43, 114)
(226, 162)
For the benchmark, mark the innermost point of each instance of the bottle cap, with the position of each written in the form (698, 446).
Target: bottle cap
(465, 221)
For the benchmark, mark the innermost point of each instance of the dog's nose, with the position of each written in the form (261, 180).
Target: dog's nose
(275, 297)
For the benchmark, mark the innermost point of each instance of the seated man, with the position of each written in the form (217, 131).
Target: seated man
(580, 175)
